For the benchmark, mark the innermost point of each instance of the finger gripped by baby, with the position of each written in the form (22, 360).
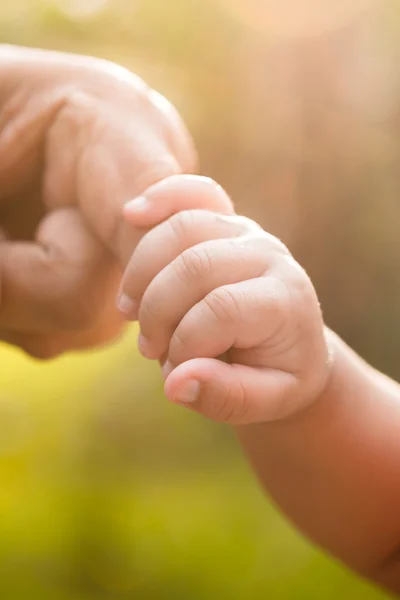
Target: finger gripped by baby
(173, 194)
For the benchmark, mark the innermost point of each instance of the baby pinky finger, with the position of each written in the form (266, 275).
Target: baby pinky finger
(230, 393)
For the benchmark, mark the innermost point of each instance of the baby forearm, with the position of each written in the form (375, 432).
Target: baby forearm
(334, 468)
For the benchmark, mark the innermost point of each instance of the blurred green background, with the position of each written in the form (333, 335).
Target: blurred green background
(108, 492)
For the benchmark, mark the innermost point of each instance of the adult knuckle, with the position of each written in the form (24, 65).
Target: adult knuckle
(45, 351)
(81, 315)
(78, 109)
(160, 167)
(77, 311)
(176, 131)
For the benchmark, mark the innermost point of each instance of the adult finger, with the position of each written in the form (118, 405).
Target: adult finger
(174, 194)
(64, 281)
(108, 151)
(51, 345)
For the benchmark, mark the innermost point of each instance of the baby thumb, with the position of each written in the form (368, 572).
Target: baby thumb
(231, 393)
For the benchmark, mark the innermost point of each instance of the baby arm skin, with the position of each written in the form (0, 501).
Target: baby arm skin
(334, 468)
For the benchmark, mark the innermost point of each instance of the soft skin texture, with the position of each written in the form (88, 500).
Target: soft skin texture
(238, 330)
(79, 137)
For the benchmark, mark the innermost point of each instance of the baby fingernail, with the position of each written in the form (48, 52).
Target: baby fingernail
(139, 204)
(167, 369)
(126, 305)
(188, 392)
(145, 347)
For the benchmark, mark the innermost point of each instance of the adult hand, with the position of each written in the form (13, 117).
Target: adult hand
(78, 138)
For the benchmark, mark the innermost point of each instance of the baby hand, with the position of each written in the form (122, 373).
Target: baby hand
(223, 305)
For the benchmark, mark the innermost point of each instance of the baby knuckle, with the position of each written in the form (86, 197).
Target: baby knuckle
(275, 306)
(273, 244)
(305, 292)
(182, 223)
(246, 225)
(302, 291)
(179, 346)
(193, 264)
(267, 243)
(242, 403)
(280, 300)
(233, 406)
(129, 283)
(213, 185)
(149, 310)
(301, 281)
(224, 304)
(224, 411)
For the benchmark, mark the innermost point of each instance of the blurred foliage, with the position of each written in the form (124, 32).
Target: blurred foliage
(107, 491)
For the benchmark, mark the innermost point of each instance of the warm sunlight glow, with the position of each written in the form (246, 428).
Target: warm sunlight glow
(295, 18)
(81, 9)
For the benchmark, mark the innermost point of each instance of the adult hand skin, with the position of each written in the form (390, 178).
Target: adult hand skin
(79, 137)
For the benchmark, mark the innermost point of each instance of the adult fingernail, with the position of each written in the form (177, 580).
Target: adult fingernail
(188, 392)
(127, 306)
(139, 204)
